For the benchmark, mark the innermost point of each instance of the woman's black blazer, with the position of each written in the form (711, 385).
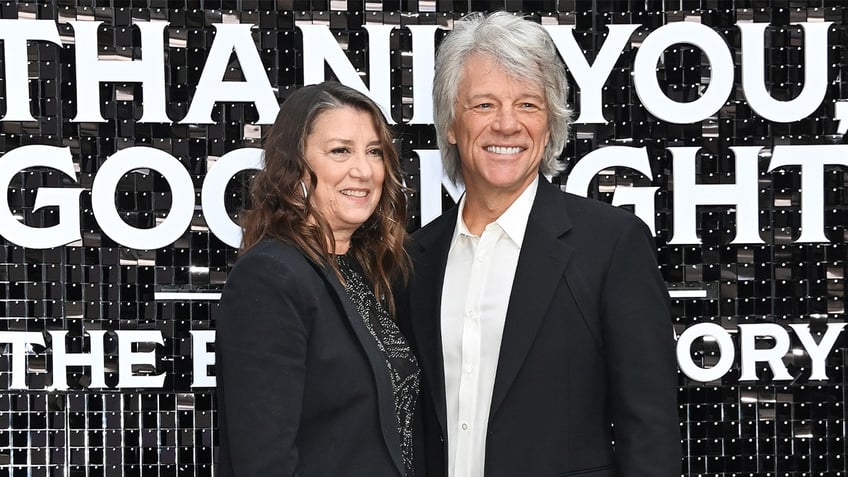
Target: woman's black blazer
(302, 388)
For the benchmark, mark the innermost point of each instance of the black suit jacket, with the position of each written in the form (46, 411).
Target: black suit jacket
(302, 387)
(587, 343)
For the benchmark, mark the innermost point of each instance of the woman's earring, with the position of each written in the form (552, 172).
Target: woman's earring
(305, 191)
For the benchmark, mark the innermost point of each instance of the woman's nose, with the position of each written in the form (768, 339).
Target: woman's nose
(361, 167)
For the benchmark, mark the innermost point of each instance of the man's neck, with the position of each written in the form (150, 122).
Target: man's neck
(482, 207)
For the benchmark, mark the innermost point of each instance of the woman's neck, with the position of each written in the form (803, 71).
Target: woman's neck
(342, 244)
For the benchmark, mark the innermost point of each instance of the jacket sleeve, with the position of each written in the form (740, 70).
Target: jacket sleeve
(261, 343)
(641, 363)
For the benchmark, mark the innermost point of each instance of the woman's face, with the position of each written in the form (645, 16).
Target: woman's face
(344, 151)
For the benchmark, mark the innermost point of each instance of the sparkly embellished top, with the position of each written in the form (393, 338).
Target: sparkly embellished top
(403, 367)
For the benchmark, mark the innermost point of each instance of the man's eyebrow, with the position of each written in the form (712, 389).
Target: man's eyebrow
(539, 97)
(479, 96)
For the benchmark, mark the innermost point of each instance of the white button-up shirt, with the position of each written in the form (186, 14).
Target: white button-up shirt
(475, 295)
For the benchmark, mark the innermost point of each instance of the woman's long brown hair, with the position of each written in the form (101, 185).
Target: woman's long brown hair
(279, 209)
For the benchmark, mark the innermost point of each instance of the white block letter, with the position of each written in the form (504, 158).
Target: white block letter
(688, 194)
(103, 198)
(423, 65)
(202, 359)
(212, 195)
(725, 347)
(432, 178)
(591, 79)
(149, 71)
(63, 359)
(211, 88)
(818, 352)
(66, 199)
(812, 160)
(14, 35)
(642, 198)
(320, 46)
(127, 358)
(751, 355)
(815, 73)
(645, 72)
(18, 341)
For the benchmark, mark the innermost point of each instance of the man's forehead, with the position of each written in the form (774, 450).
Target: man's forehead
(482, 75)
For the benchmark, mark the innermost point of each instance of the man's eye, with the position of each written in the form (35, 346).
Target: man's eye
(484, 106)
(528, 106)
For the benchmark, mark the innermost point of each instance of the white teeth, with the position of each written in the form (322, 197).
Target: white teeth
(355, 193)
(504, 150)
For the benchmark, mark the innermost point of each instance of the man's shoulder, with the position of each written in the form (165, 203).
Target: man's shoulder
(583, 209)
(436, 228)
(595, 208)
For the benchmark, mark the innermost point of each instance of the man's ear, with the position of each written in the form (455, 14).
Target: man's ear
(451, 136)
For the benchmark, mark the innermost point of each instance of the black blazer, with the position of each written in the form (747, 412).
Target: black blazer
(303, 389)
(588, 341)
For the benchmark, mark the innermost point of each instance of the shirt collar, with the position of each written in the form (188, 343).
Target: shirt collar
(513, 221)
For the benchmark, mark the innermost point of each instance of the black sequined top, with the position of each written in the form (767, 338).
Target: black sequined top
(403, 367)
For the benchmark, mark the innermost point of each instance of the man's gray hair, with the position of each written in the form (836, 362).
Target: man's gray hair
(526, 51)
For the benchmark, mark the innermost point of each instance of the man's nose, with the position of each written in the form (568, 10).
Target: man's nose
(507, 121)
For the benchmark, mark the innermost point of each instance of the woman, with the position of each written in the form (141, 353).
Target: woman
(314, 378)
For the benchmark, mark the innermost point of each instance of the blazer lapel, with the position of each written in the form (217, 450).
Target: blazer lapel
(433, 244)
(541, 264)
(382, 380)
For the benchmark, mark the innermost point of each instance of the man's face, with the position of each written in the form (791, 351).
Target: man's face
(500, 128)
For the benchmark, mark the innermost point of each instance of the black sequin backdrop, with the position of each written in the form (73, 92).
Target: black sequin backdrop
(777, 417)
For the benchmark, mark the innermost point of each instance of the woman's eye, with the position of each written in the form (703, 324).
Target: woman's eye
(375, 152)
(340, 150)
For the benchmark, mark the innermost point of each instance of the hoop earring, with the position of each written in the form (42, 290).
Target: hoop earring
(305, 191)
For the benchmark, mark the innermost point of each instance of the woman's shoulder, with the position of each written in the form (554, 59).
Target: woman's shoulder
(274, 250)
(271, 264)
(272, 258)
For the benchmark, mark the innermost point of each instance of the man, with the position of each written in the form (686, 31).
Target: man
(541, 321)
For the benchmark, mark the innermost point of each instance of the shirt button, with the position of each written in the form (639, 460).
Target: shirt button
(469, 314)
(481, 259)
(464, 426)
(469, 369)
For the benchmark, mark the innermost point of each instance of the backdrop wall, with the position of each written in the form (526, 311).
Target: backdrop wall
(129, 132)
